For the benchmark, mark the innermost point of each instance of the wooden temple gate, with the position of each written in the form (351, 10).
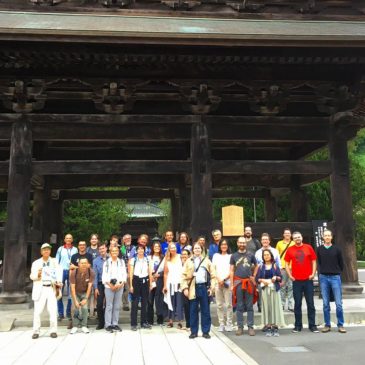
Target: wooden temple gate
(175, 106)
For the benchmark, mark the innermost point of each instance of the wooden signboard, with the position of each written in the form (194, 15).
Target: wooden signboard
(232, 220)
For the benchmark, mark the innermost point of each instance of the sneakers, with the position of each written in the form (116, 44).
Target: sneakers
(53, 335)
(296, 330)
(134, 328)
(314, 329)
(228, 328)
(239, 331)
(326, 329)
(206, 335)
(221, 328)
(269, 332)
(146, 326)
(109, 329)
(35, 336)
(341, 330)
(193, 335)
(85, 330)
(73, 330)
(251, 332)
(117, 328)
(99, 327)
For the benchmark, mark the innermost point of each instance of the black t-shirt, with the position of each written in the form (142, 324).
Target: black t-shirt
(330, 260)
(77, 256)
(243, 263)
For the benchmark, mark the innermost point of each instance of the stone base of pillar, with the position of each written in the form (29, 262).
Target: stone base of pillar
(352, 289)
(13, 298)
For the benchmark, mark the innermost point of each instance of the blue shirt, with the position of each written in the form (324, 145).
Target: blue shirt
(165, 245)
(63, 256)
(98, 264)
(213, 249)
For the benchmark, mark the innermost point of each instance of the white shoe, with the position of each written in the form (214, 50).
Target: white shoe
(221, 328)
(85, 330)
(73, 330)
(228, 328)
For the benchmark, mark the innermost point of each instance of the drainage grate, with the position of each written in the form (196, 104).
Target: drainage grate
(292, 349)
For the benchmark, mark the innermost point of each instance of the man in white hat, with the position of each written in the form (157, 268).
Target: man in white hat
(46, 275)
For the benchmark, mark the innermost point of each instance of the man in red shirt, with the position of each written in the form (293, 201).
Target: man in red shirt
(301, 268)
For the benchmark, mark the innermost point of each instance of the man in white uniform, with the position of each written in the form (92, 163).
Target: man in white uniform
(46, 275)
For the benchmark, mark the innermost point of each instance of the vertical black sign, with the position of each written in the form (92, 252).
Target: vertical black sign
(318, 228)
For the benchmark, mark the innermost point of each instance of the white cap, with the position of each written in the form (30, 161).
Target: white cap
(46, 245)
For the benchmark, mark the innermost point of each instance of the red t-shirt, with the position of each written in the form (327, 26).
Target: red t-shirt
(301, 260)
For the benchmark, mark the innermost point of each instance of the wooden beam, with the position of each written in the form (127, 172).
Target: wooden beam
(137, 193)
(125, 194)
(112, 119)
(283, 167)
(141, 181)
(236, 167)
(63, 127)
(173, 182)
(110, 167)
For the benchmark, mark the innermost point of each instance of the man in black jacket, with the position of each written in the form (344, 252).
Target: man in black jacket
(330, 263)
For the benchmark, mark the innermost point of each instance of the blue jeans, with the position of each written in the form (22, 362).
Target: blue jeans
(65, 278)
(306, 287)
(328, 282)
(201, 298)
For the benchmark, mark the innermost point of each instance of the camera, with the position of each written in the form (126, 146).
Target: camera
(113, 281)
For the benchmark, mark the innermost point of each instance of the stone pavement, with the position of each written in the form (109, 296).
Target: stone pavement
(307, 348)
(159, 345)
(354, 309)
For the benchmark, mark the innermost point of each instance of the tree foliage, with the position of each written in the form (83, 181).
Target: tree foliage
(165, 223)
(84, 217)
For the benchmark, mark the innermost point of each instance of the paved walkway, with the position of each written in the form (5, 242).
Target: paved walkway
(149, 347)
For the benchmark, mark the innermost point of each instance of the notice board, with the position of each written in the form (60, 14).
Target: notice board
(232, 220)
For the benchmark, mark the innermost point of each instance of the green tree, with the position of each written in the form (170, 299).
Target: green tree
(84, 217)
(165, 223)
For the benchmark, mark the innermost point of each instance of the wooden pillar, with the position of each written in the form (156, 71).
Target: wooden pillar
(299, 209)
(185, 209)
(342, 204)
(201, 182)
(56, 219)
(270, 208)
(175, 212)
(38, 213)
(16, 230)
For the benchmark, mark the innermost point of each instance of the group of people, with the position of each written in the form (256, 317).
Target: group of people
(173, 283)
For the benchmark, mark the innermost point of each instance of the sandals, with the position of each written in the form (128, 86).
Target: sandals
(179, 326)
(170, 325)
